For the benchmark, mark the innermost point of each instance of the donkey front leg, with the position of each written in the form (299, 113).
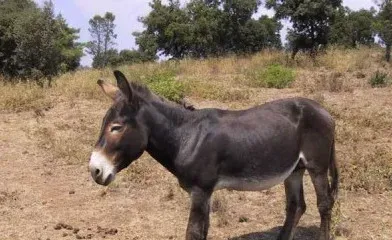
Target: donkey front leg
(199, 218)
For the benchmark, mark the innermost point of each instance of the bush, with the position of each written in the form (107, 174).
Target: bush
(379, 79)
(164, 84)
(274, 76)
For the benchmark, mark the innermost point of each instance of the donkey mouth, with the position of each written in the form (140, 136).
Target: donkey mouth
(104, 181)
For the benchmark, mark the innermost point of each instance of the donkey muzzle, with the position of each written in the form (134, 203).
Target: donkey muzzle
(102, 171)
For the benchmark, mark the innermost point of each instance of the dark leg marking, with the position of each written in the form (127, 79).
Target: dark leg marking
(325, 202)
(295, 204)
(199, 215)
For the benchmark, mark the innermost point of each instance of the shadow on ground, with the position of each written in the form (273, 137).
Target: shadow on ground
(303, 233)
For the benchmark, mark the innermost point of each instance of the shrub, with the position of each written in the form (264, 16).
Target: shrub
(164, 84)
(379, 79)
(274, 76)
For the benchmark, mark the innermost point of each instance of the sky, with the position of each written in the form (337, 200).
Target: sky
(78, 12)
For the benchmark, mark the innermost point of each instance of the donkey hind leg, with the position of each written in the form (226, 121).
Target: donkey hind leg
(325, 201)
(198, 222)
(295, 204)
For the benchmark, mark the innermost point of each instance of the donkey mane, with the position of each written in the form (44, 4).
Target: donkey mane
(140, 88)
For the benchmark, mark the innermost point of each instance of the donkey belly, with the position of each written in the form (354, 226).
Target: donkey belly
(258, 182)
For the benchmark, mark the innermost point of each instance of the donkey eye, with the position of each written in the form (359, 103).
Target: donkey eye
(116, 128)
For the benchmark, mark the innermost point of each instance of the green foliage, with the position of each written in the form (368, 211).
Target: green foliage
(160, 79)
(132, 56)
(351, 28)
(125, 57)
(274, 76)
(148, 46)
(379, 79)
(311, 21)
(10, 12)
(71, 50)
(34, 42)
(112, 59)
(206, 28)
(242, 33)
(164, 84)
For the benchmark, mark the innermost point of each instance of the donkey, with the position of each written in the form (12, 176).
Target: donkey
(212, 149)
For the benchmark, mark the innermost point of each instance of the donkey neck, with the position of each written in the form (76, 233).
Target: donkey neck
(165, 122)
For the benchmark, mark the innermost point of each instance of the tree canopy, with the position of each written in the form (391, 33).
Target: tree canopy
(34, 42)
(353, 28)
(206, 28)
(311, 20)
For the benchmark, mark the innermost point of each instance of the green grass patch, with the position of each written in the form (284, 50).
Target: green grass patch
(166, 86)
(379, 79)
(273, 76)
(164, 83)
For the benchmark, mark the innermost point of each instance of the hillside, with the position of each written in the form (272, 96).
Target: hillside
(47, 134)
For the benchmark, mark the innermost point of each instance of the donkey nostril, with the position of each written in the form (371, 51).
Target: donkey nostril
(97, 172)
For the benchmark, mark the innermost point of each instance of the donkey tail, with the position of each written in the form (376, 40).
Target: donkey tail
(334, 173)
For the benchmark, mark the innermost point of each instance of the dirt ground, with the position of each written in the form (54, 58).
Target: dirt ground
(46, 191)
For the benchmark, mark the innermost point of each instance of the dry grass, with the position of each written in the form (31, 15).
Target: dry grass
(222, 79)
(23, 97)
(219, 208)
(81, 84)
(65, 147)
(216, 91)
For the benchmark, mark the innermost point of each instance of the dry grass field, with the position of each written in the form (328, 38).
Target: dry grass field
(47, 134)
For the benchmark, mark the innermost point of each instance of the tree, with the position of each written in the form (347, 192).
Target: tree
(37, 53)
(148, 45)
(236, 17)
(113, 58)
(102, 33)
(206, 28)
(36, 43)
(385, 26)
(71, 50)
(311, 21)
(132, 56)
(10, 12)
(259, 34)
(169, 26)
(352, 28)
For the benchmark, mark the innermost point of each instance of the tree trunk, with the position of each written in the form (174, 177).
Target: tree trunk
(388, 53)
(50, 81)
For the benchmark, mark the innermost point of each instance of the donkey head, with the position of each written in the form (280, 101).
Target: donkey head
(123, 137)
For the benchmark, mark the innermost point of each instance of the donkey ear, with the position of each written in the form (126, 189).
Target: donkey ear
(123, 84)
(109, 89)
